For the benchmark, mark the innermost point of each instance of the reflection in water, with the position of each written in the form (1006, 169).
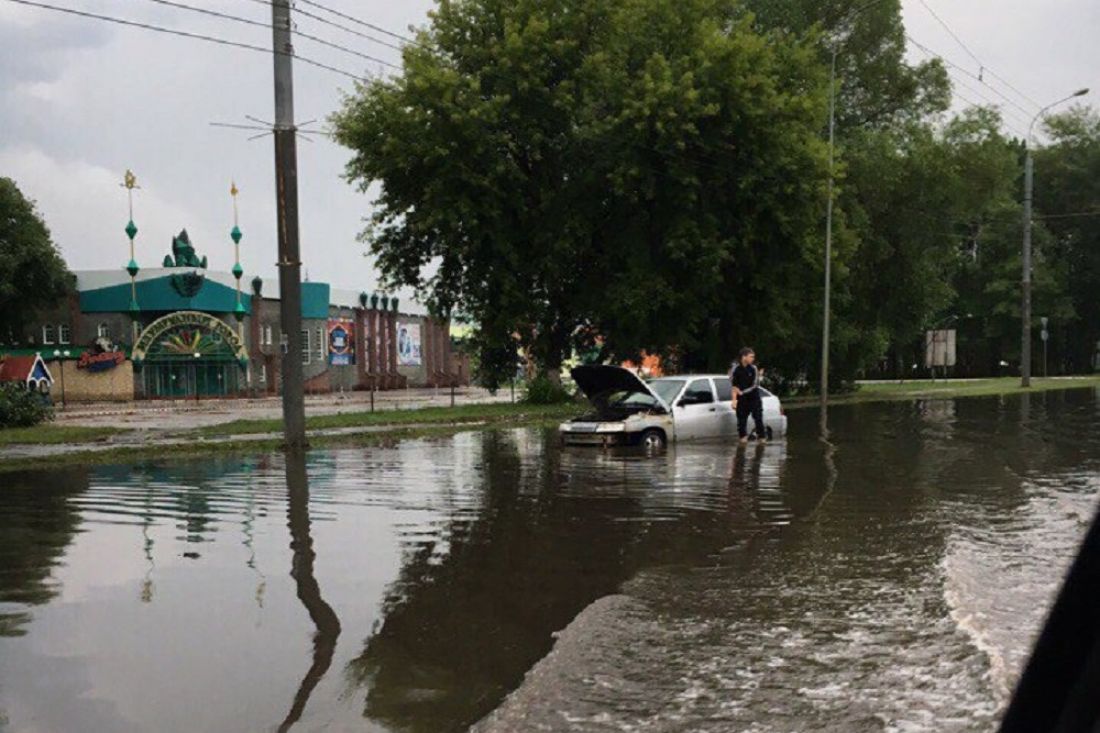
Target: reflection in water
(885, 578)
(37, 523)
(555, 530)
(309, 591)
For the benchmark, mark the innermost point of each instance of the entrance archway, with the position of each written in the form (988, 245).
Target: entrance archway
(190, 354)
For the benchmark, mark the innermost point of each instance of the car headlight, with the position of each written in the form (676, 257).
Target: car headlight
(610, 427)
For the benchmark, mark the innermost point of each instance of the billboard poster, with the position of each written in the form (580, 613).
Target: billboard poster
(939, 348)
(341, 342)
(408, 343)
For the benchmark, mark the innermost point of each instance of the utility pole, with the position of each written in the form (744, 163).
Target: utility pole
(286, 193)
(1025, 281)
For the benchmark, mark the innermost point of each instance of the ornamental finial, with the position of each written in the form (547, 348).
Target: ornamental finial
(129, 180)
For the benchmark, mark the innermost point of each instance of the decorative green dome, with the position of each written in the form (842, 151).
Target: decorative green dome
(235, 234)
(363, 298)
(237, 270)
(257, 285)
(239, 312)
(131, 230)
(132, 268)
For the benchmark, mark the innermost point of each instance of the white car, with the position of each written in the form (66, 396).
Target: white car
(629, 411)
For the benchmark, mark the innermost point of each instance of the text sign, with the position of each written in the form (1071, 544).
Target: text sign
(100, 362)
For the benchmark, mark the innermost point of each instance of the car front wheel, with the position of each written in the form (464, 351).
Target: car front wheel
(653, 440)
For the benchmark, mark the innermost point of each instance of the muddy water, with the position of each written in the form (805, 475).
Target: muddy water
(889, 581)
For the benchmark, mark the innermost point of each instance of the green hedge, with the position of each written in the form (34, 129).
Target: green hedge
(21, 408)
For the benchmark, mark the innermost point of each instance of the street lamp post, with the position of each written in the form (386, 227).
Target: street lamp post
(843, 28)
(59, 355)
(195, 374)
(1025, 282)
(828, 242)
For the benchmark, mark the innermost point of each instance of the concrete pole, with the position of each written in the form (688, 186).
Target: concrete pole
(1025, 283)
(286, 191)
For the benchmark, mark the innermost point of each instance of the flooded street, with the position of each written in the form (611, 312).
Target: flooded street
(890, 581)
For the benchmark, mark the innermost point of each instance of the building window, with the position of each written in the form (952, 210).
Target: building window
(305, 346)
(103, 331)
(49, 334)
(265, 336)
(64, 334)
(321, 344)
(263, 373)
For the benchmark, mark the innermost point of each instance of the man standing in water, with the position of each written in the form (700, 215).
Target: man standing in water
(745, 377)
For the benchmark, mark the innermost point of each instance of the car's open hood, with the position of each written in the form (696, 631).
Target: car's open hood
(597, 381)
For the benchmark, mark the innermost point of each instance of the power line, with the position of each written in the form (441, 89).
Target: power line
(962, 70)
(249, 21)
(981, 66)
(326, 21)
(1016, 119)
(357, 21)
(187, 34)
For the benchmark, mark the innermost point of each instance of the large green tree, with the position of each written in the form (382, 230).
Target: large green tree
(647, 174)
(1067, 196)
(32, 273)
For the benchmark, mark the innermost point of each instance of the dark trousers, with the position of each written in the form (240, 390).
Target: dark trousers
(750, 404)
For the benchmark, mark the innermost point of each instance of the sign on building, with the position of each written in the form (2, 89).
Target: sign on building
(408, 344)
(341, 342)
(939, 348)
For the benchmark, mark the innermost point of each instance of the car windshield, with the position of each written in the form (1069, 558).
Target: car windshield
(667, 389)
(630, 399)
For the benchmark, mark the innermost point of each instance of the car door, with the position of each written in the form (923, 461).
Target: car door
(696, 413)
(724, 391)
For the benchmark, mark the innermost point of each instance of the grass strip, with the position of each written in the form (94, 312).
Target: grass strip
(486, 412)
(160, 452)
(950, 389)
(50, 434)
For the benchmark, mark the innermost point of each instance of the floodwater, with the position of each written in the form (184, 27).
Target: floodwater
(891, 580)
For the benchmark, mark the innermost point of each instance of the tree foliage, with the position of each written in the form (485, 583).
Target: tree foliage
(650, 175)
(577, 170)
(32, 273)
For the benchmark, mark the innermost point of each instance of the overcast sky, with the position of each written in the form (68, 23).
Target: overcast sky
(82, 100)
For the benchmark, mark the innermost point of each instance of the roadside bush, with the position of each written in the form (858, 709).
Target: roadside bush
(542, 391)
(21, 408)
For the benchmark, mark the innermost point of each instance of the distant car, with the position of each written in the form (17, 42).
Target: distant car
(629, 411)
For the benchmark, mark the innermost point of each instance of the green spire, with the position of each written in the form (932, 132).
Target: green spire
(235, 234)
(134, 307)
(131, 230)
(239, 312)
(238, 270)
(132, 268)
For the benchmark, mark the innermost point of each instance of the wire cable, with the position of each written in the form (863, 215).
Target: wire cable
(970, 74)
(357, 21)
(981, 66)
(187, 34)
(250, 21)
(333, 24)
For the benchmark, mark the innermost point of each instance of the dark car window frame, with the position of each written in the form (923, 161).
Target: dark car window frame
(723, 389)
(690, 389)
